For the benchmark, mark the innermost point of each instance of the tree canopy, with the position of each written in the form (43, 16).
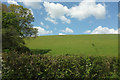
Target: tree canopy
(16, 25)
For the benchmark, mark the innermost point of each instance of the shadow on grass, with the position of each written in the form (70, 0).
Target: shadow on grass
(40, 51)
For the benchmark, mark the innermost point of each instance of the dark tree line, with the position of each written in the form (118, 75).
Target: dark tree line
(16, 25)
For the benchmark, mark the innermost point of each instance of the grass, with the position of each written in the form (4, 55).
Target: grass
(84, 45)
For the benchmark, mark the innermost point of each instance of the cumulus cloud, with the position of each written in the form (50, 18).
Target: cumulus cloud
(12, 2)
(102, 30)
(42, 31)
(32, 3)
(61, 34)
(84, 10)
(64, 19)
(56, 11)
(88, 31)
(67, 30)
(51, 20)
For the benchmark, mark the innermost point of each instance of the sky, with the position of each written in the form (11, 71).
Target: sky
(73, 18)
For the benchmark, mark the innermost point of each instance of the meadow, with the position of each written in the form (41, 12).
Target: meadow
(83, 45)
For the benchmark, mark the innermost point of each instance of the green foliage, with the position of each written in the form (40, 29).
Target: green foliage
(16, 25)
(41, 67)
(25, 18)
(6, 51)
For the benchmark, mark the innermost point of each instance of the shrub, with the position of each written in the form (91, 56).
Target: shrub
(41, 67)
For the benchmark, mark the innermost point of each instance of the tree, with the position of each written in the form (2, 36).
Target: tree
(16, 25)
(25, 18)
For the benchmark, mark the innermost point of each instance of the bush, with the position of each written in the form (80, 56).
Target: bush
(23, 49)
(41, 67)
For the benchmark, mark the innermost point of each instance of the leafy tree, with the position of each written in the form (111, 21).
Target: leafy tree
(16, 25)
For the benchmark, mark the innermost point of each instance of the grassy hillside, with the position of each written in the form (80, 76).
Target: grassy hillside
(85, 45)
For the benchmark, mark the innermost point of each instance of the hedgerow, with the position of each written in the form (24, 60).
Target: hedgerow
(41, 67)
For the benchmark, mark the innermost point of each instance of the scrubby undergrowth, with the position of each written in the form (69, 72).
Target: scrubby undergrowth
(41, 67)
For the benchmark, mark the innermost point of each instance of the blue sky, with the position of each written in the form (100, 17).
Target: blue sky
(62, 18)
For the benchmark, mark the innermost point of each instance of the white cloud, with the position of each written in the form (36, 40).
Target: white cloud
(102, 30)
(61, 34)
(41, 23)
(84, 10)
(64, 19)
(51, 20)
(56, 11)
(42, 31)
(88, 31)
(67, 30)
(12, 2)
(32, 3)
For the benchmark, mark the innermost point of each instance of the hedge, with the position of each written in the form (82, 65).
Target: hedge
(42, 67)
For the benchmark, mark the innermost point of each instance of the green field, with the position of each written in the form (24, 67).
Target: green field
(84, 45)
